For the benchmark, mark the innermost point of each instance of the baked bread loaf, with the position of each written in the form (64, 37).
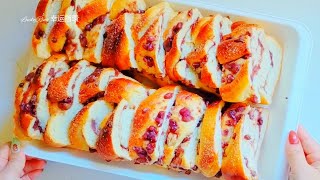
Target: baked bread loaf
(209, 159)
(241, 155)
(85, 127)
(178, 33)
(63, 93)
(113, 142)
(151, 121)
(247, 62)
(34, 108)
(180, 149)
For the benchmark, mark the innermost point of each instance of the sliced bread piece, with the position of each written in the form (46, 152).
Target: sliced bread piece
(94, 86)
(46, 10)
(180, 149)
(241, 156)
(34, 107)
(113, 142)
(21, 89)
(147, 139)
(118, 46)
(149, 51)
(247, 61)
(209, 159)
(85, 127)
(63, 93)
(174, 37)
(93, 37)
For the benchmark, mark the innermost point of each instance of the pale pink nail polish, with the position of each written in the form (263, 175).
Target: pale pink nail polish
(293, 138)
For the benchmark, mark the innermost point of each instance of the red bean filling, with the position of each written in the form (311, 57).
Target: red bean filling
(30, 76)
(173, 127)
(150, 148)
(186, 139)
(149, 46)
(233, 67)
(167, 45)
(54, 40)
(230, 78)
(123, 147)
(159, 118)
(271, 58)
(73, 3)
(168, 96)
(224, 145)
(196, 65)
(92, 150)
(190, 13)
(234, 136)
(66, 103)
(83, 40)
(30, 107)
(185, 114)
(247, 137)
(149, 61)
(195, 168)
(39, 34)
(254, 99)
(95, 127)
(188, 172)
(260, 122)
(36, 126)
(151, 134)
(225, 132)
(21, 85)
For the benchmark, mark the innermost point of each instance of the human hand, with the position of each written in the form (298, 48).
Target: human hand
(303, 154)
(15, 165)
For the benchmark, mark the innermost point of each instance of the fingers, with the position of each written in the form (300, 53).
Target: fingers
(32, 175)
(4, 154)
(308, 143)
(34, 164)
(16, 159)
(295, 155)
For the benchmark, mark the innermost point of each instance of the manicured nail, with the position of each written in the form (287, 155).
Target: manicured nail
(15, 145)
(293, 138)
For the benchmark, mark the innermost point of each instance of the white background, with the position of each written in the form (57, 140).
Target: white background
(305, 11)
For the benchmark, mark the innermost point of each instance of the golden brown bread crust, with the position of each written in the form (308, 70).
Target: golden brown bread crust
(18, 130)
(57, 90)
(144, 119)
(90, 87)
(119, 89)
(104, 143)
(114, 52)
(90, 12)
(120, 7)
(41, 8)
(232, 49)
(232, 165)
(239, 89)
(77, 140)
(208, 158)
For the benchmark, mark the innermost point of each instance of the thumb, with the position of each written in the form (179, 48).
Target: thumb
(295, 156)
(16, 161)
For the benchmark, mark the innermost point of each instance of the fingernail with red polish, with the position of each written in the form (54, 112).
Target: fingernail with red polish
(15, 145)
(293, 138)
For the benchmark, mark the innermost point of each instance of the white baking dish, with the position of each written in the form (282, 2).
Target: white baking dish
(284, 112)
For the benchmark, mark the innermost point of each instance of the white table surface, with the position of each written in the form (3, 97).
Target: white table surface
(306, 11)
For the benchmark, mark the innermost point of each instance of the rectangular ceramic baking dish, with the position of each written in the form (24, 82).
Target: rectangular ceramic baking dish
(284, 112)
